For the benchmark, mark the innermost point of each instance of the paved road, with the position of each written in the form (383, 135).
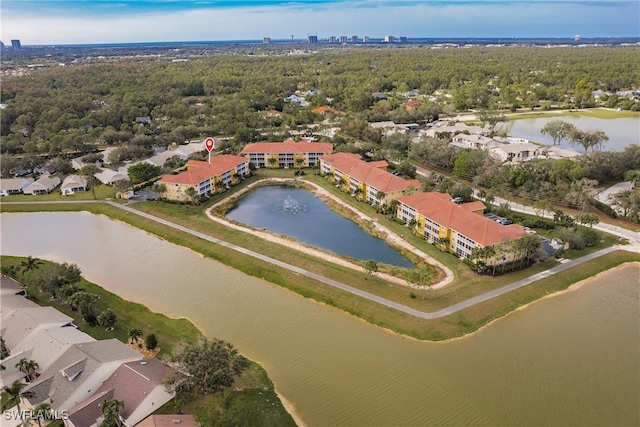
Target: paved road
(364, 294)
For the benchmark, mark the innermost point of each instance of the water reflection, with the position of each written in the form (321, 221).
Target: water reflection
(298, 213)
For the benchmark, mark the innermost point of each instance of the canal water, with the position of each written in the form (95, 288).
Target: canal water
(621, 132)
(572, 359)
(299, 213)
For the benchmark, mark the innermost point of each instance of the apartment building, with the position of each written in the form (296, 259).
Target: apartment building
(287, 154)
(206, 178)
(369, 181)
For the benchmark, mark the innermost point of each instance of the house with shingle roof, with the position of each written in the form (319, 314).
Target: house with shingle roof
(138, 384)
(73, 184)
(368, 181)
(13, 185)
(43, 185)
(206, 178)
(287, 154)
(458, 226)
(79, 372)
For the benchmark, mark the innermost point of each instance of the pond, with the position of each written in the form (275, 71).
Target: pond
(299, 213)
(567, 360)
(621, 132)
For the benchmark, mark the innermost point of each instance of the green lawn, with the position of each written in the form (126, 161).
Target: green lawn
(467, 284)
(102, 192)
(598, 113)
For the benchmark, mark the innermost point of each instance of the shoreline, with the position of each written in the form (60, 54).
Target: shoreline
(571, 288)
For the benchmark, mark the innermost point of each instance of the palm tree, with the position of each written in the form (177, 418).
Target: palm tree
(135, 334)
(28, 367)
(443, 242)
(109, 409)
(41, 411)
(15, 394)
(31, 263)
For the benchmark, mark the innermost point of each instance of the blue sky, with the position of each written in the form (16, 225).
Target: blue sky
(115, 21)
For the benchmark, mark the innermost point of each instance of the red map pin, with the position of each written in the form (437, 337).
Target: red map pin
(209, 143)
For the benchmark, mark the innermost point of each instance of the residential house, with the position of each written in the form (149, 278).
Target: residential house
(144, 120)
(79, 372)
(139, 385)
(297, 100)
(14, 185)
(389, 127)
(378, 96)
(441, 129)
(24, 323)
(476, 142)
(456, 227)
(43, 185)
(368, 181)
(43, 346)
(413, 104)
(73, 184)
(110, 177)
(206, 178)
(516, 153)
(325, 110)
(287, 154)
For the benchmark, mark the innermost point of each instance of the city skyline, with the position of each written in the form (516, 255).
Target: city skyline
(126, 21)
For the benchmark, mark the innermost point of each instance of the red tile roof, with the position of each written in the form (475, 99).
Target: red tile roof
(288, 147)
(369, 173)
(325, 109)
(198, 171)
(458, 217)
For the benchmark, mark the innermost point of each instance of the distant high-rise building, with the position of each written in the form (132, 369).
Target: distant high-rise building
(266, 40)
(403, 39)
(577, 37)
(15, 44)
(332, 39)
(354, 39)
(365, 39)
(389, 39)
(1, 45)
(313, 39)
(343, 39)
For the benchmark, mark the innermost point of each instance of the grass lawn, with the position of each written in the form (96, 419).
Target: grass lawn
(466, 284)
(250, 401)
(102, 192)
(598, 113)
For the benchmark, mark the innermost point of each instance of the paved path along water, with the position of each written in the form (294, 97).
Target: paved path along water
(364, 294)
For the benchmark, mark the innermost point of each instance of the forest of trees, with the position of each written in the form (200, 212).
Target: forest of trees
(52, 111)
(54, 114)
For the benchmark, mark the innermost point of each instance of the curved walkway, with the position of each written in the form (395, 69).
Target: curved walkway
(364, 294)
(390, 236)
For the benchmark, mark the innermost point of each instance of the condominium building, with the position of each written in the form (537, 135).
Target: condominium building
(206, 178)
(287, 154)
(457, 227)
(368, 181)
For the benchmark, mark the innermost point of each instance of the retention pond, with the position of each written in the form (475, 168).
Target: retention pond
(567, 360)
